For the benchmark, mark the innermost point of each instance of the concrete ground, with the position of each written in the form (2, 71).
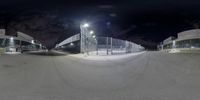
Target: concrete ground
(148, 76)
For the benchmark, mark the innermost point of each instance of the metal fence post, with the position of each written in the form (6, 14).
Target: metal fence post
(126, 47)
(107, 45)
(97, 46)
(111, 49)
(81, 40)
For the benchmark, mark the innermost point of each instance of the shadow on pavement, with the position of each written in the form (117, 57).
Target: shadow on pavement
(49, 53)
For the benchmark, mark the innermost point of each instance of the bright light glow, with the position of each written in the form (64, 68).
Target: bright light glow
(192, 47)
(32, 41)
(174, 44)
(86, 25)
(11, 38)
(91, 32)
(71, 44)
(94, 36)
(11, 43)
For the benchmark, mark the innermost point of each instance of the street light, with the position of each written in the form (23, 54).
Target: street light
(91, 32)
(88, 38)
(71, 44)
(32, 41)
(11, 38)
(86, 25)
(84, 34)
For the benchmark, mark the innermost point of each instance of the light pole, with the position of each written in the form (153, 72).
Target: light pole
(88, 38)
(84, 33)
(91, 32)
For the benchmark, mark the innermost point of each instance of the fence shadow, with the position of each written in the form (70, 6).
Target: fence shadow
(48, 53)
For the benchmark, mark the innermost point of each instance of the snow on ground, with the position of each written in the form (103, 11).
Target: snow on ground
(147, 76)
(104, 52)
(12, 53)
(105, 57)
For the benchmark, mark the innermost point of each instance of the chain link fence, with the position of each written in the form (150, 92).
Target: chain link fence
(109, 46)
(91, 45)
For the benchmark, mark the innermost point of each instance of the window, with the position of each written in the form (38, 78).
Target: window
(195, 43)
(1, 42)
(167, 46)
(183, 44)
(12, 43)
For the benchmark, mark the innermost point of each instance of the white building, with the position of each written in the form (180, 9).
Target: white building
(187, 41)
(19, 43)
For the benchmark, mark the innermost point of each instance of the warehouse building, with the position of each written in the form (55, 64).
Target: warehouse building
(187, 41)
(19, 43)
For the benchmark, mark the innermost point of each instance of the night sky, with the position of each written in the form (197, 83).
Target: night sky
(146, 22)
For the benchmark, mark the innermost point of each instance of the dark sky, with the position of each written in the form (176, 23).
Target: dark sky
(143, 21)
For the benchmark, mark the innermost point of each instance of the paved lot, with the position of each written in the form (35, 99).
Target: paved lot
(148, 76)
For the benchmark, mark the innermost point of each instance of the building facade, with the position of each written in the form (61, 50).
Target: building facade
(19, 43)
(186, 41)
